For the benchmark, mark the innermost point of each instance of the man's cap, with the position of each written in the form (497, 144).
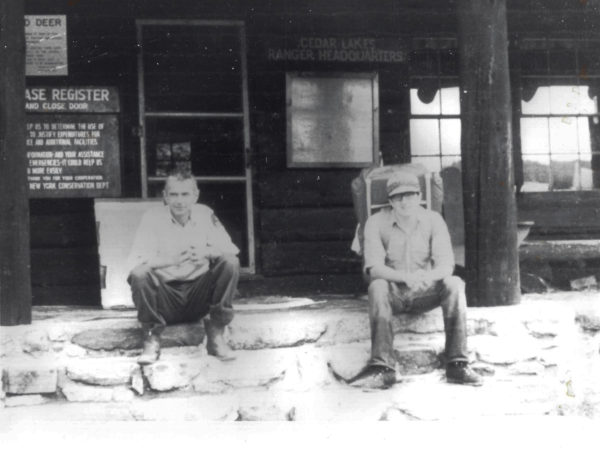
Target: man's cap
(402, 182)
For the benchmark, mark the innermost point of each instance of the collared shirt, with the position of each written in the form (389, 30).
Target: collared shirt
(424, 246)
(159, 234)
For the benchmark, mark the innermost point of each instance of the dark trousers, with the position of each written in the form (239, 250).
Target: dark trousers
(386, 299)
(160, 303)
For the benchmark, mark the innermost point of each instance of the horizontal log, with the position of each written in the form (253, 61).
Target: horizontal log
(65, 266)
(308, 258)
(65, 230)
(565, 250)
(561, 213)
(310, 224)
(306, 188)
(80, 295)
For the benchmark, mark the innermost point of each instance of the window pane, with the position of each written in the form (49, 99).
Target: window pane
(587, 105)
(451, 161)
(210, 147)
(450, 136)
(563, 172)
(534, 136)
(450, 100)
(424, 137)
(585, 178)
(431, 163)
(539, 103)
(418, 104)
(563, 135)
(536, 173)
(583, 130)
(571, 100)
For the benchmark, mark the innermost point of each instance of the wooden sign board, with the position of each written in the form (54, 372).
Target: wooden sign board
(72, 154)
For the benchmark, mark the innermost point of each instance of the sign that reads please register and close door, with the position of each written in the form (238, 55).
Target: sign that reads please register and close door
(72, 142)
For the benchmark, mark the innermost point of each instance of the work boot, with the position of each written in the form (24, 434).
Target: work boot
(459, 372)
(215, 341)
(374, 377)
(151, 351)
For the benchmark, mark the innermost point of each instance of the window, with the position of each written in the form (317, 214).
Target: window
(434, 104)
(559, 122)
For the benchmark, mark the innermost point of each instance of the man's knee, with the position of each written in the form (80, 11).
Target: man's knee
(139, 274)
(230, 263)
(453, 283)
(455, 288)
(378, 291)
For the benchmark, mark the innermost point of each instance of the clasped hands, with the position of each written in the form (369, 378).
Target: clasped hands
(195, 255)
(417, 280)
(192, 254)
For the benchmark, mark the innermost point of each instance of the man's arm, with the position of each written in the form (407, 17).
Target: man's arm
(144, 249)
(219, 241)
(441, 250)
(375, 256)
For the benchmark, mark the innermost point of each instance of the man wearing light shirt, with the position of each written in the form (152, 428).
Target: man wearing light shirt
(183, 267)
(409, 260)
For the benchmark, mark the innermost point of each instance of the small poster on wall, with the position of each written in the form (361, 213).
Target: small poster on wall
(46, 45)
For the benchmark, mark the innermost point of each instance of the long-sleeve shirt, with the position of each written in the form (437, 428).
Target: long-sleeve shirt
(159, 234)
(425, 246)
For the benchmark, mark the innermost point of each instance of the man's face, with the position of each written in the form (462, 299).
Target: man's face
(406, 204)
(180, 196)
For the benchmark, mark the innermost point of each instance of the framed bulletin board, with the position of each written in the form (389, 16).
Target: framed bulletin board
(332, 119)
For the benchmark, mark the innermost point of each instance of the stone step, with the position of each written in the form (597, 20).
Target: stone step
(302, 349)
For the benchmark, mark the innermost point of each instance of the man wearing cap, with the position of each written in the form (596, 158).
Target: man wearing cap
(409, 260)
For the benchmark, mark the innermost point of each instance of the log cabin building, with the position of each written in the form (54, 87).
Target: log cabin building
(277, 105)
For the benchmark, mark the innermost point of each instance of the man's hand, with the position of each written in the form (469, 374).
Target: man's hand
(197, 255)
(417, 280)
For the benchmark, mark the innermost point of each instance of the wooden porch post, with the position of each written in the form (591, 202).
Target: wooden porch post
(15, 279)
(492, 259)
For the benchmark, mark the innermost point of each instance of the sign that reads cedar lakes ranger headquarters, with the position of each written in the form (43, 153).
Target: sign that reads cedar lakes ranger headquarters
(336, 49)
(72, 142)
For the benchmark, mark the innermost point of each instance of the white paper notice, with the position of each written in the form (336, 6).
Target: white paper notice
(46, 39)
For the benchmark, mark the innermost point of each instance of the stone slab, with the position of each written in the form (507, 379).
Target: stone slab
(79, 392)
(101, 371)
(30, 378)
(167, 375)
(131, 338)
(275, 330)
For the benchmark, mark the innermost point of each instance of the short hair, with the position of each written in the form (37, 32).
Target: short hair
(181, 174)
